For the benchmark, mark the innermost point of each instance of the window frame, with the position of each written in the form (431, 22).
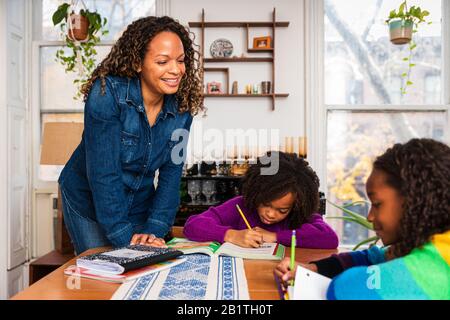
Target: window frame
(162, 7)
(316, 111)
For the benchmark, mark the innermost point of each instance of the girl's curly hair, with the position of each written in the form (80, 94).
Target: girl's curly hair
(420, 171)
(293, 175)
(127, 55)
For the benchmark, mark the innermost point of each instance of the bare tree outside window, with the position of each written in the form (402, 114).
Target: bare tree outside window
(362, 68)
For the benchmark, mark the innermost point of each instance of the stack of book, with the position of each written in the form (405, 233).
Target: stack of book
(125, 264)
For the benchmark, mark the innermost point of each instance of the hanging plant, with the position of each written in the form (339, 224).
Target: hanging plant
(403, 24)
(81, 32)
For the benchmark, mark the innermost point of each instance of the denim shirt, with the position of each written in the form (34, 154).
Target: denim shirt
(110, 176)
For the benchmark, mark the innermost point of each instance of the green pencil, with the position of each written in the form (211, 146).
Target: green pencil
(293, 244)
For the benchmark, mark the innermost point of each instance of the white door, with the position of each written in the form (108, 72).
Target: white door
(17, 147)
(16, 280)
(18, 202)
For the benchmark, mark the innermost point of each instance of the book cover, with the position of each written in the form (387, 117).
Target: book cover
(267, 251)
(125, 277)
(121, 260)
(187, 246)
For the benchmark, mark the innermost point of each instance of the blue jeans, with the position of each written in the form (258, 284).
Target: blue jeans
(84, 232)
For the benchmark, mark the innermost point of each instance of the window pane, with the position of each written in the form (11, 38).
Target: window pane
(57, 88)
(354, 140)
(119, 13)
(363, 67)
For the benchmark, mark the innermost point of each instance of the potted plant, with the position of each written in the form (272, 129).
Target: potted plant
(81, 32)
(402, 25)
(78, 26)
(402, 22)
(354, 217)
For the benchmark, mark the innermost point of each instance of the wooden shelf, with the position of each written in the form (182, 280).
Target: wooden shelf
(259, 50)
(243, 95)
(273, 25)
(238, 24)
(244, 59)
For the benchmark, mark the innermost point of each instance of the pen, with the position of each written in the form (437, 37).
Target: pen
(243, 217)
(293, 244)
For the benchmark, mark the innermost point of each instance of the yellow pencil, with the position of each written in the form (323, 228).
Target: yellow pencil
(243, 217)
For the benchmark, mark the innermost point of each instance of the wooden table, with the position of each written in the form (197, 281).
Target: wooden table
(57, 286)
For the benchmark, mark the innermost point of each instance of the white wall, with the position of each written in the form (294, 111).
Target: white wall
(233, 113)
(3, 156)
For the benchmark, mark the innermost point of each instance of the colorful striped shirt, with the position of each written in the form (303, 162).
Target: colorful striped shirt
(421, 275)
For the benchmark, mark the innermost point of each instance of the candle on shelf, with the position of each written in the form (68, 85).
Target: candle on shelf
(289, 144)
(302, 152)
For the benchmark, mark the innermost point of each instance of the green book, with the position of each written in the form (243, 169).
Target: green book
(267, 251)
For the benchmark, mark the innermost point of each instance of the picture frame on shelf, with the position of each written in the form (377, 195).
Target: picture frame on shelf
(262, 42)
(214, 88)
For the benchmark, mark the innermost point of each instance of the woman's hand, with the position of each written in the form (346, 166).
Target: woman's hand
(267, 235)
(245, 238)
(148, 240)
(284, 272)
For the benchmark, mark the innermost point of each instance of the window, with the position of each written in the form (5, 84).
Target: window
(432, 89)
(56, 88)
(357, 43)
(119, 13)
(365, 109)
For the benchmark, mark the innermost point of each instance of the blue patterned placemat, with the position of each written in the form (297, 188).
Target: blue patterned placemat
(200, 277)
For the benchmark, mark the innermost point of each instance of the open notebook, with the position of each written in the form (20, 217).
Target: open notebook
(267, 251)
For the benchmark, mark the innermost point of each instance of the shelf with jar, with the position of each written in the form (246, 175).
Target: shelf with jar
(222, 49)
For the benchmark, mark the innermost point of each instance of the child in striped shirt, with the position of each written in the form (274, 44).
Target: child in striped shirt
(409, 189)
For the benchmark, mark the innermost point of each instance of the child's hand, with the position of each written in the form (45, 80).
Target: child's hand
(283, 271)
(148, 240)
(244, 238)
(267, 235)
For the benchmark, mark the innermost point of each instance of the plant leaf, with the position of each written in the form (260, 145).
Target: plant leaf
(401, 9)
(371, 239)
(361, 219)
(60, 13)
(349, 219)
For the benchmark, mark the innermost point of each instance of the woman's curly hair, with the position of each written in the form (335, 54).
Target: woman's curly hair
(293, 175)
(127, 55)
(420, 171)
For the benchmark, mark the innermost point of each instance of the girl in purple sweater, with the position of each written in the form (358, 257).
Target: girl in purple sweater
(274, 204)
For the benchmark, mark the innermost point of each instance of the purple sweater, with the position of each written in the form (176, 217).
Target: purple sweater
(212, 225)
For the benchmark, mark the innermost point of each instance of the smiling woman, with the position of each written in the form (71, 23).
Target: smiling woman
(147, 88)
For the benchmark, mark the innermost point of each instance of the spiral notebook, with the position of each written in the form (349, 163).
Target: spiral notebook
(124, 259)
